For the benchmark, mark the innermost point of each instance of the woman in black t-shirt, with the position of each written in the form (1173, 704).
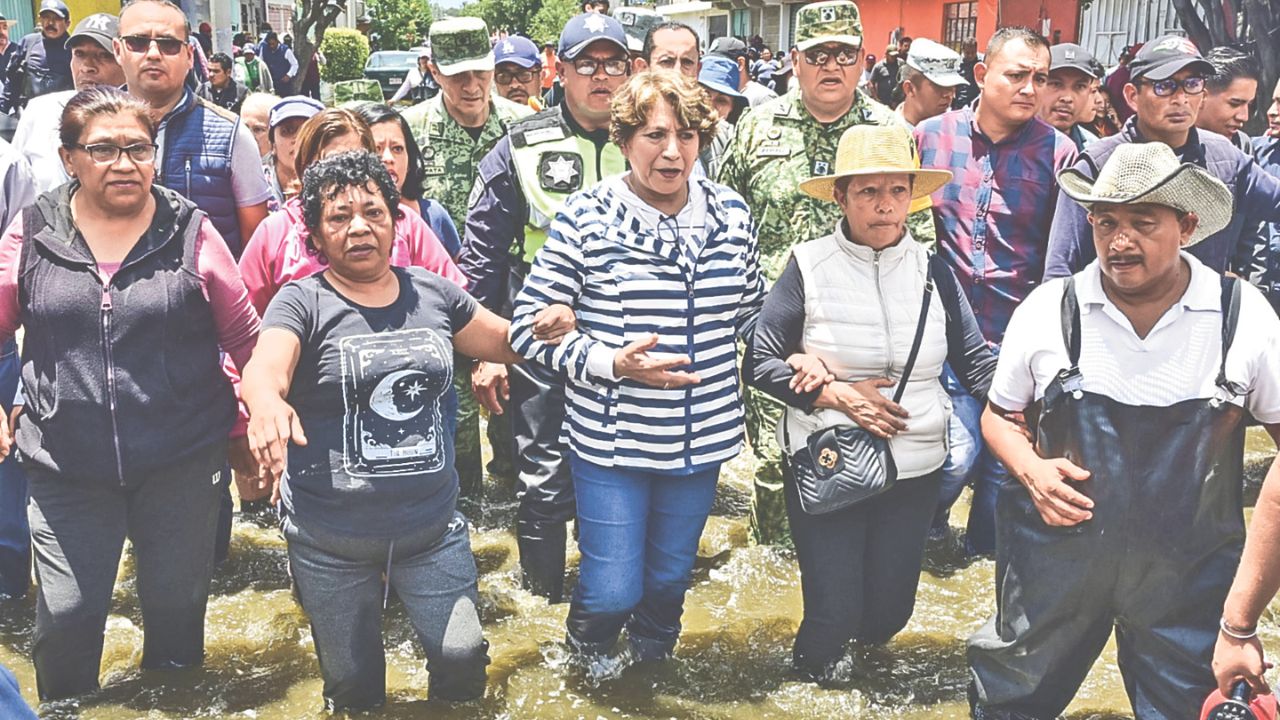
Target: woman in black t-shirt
(360, 356)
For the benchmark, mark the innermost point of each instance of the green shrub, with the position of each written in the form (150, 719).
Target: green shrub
(345, 53)
(350, 91)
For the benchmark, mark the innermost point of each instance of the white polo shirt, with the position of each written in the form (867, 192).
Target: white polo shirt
(1177, 361)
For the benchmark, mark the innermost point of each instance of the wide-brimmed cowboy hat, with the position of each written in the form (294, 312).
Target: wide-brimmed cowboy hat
(876, 150)
(1149, 173)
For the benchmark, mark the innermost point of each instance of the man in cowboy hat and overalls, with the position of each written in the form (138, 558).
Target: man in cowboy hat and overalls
(1123, 511)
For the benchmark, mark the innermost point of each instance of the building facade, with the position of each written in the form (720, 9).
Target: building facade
(884, 21)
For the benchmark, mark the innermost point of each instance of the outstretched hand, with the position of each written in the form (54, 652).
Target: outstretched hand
(635, 362)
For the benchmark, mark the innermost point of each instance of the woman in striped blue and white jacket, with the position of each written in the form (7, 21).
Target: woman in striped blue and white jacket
(663, 273)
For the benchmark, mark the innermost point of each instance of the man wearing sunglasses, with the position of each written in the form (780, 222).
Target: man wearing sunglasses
(1166, 89)
(778, 144)
(206, 153)
(521, 186)
(41, 64)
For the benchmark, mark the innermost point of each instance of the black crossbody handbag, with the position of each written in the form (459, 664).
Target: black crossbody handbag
(844, 465)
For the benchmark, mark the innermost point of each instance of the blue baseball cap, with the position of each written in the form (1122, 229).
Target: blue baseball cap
(721, 74)
(294, 106)
(518, 50)
(584, 29)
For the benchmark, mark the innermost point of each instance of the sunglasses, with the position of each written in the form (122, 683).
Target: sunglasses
(108, 154)
(612, 67)
(142, 43)
(1165, 88)
(504, 77)
(820, 57)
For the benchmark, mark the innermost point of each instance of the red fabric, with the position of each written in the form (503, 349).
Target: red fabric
(1263, 706)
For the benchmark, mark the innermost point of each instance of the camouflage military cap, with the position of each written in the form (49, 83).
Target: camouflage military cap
(836, 21)
(461, 44)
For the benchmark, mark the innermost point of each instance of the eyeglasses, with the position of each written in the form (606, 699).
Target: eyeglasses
(612, 67)
(142, 43)
(108, 154)
(820, 57)
(1165, 88)
(504, 77)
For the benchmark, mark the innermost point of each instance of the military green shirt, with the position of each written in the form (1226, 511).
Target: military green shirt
(776, 145)
(449, 155)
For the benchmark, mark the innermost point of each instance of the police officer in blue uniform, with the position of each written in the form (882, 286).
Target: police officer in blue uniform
(521, 184)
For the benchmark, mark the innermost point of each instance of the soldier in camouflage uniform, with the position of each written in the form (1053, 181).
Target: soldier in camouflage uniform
(462, 62)
(778, 144)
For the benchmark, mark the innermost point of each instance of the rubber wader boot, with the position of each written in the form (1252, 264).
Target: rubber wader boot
(542, 553)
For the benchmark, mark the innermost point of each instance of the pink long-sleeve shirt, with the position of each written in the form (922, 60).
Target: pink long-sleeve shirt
(234, 316)
(277, 253)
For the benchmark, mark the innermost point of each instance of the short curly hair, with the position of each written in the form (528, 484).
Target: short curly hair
(634, 102)
(325, 179)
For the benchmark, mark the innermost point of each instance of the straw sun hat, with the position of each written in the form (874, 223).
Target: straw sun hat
(1150, 173)
(876, 150)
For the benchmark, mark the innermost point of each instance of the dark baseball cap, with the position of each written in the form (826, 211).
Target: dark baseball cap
(99, 27)
(587, 28)
(1166, 56)
(729, 47)
(55, 6)
(518, 50)
(1070, 56)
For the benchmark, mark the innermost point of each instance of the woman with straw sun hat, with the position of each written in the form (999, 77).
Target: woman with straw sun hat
(883, 314)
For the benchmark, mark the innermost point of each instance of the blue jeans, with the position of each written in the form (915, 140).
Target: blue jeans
(12, 706)
(969, 463)
(15, 534)
(340, 585)
(638, 532)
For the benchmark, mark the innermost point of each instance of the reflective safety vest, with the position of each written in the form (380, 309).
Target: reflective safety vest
(551, 164)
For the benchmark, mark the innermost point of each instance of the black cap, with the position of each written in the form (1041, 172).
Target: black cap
(55, 6)
(1166, 56)
(729, 47)
(1071, 56)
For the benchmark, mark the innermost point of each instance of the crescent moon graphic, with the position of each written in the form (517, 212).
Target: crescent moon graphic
(382, 400)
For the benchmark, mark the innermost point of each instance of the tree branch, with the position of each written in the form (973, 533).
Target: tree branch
(1192, 23)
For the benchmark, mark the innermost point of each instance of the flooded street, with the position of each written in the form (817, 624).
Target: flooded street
(732, 662)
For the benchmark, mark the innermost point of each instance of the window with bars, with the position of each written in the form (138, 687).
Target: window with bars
(959, 21)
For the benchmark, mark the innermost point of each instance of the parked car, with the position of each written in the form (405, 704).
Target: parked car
(389, 68)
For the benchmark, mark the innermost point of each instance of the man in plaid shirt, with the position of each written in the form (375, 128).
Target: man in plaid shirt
(993, 222)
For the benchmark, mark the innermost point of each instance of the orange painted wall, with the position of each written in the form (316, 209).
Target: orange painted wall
(923, 18)
(917, 18)
(1063, 16)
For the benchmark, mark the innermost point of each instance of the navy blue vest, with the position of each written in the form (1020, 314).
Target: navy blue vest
(122, 379)
(198, 138)
(277, 63)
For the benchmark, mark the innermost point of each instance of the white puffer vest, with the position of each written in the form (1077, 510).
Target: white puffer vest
(861, 309)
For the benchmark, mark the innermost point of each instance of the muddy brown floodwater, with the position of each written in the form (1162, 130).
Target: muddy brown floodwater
(732, 661)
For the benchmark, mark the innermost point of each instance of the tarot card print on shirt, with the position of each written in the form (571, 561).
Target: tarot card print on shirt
(392, 386)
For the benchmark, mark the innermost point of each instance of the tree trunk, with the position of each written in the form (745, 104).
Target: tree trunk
(1191, 22)
(311, 19)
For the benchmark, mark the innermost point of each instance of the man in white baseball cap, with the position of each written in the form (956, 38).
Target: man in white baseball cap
(929, 81)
